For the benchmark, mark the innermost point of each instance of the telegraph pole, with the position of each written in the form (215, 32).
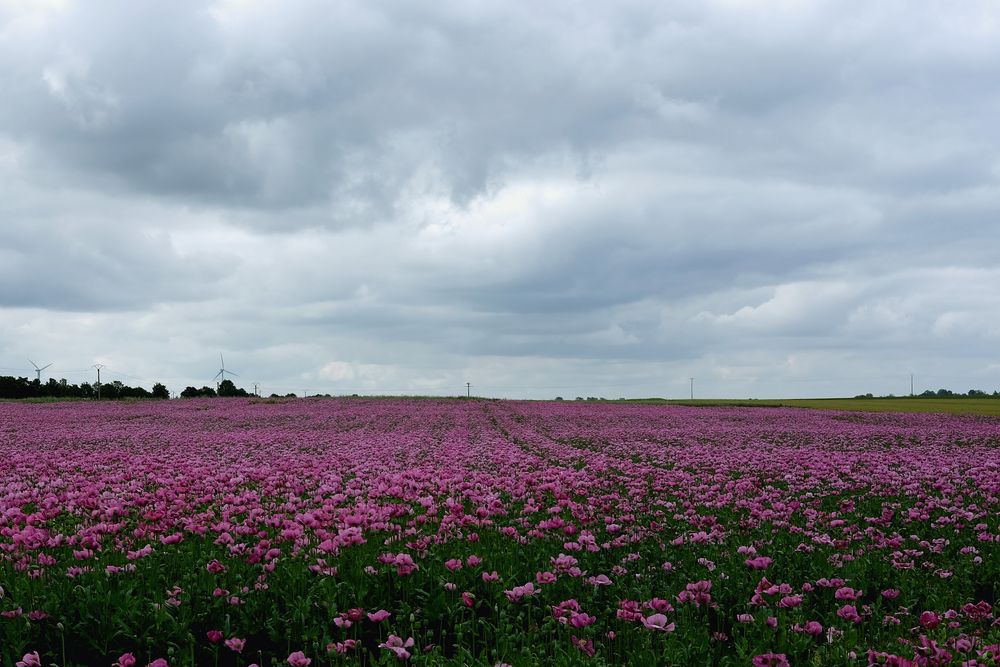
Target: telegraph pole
(98, 367)
(468, 390)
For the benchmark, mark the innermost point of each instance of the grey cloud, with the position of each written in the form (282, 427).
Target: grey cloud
(407, 194)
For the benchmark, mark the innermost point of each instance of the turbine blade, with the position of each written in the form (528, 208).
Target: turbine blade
(33, 364)
(217, 375)
(222, 360)
(232, 373)
(45, 366)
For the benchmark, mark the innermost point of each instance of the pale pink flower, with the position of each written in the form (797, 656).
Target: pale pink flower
(30, 660)
(519, 592)
(379, 616)
(398, 646)
(658, 622)
(235, 644)
(298, 659)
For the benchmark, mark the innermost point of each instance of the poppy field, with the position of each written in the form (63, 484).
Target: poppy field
(472, 532)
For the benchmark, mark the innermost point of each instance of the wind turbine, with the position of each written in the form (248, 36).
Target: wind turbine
(38, 370)
(222, 373)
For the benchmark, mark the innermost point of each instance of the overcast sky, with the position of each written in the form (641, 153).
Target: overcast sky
(777, 198)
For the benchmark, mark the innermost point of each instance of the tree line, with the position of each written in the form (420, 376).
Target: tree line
(21, 387)
(940, 393)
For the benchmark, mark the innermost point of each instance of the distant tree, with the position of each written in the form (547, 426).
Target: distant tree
(160, 391)
(559, 398)
(191, 392)
(977, 393)
(227, 388)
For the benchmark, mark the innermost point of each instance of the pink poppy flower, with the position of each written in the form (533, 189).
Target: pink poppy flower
(849, 613)
(379, 616)
(235, 644)
(519, 592)
(585, 646)
(214, 636)
(298, 659)
(847, 593)
(929, 620)
(658, 622)
(758, 563)
(660, 605)
(813, 628)
(398, 646)
(126, 660)
(770, 660)
(30, 660)
(545, 577)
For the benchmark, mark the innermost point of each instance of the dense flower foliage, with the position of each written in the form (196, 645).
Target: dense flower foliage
(327, 532)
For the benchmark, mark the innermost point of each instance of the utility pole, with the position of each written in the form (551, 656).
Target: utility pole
(692, 389)
(256, 392)
(468, 390)
(98, 367)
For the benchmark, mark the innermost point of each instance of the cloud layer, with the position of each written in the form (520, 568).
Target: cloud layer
(776, 198)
